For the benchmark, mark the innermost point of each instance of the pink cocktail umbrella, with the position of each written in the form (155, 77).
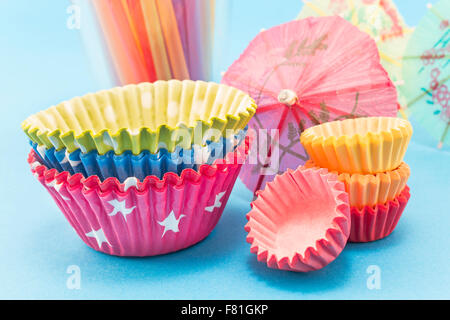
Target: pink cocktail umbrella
(304, 73)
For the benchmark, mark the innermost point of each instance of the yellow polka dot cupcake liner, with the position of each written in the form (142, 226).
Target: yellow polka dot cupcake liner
(362, 145)
(146, 116)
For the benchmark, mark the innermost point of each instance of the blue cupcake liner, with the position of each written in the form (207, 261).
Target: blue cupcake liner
(140, 166)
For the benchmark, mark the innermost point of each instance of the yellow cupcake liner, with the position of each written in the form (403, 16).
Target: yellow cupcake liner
(372, 189)
(363, 145)
(147, 116)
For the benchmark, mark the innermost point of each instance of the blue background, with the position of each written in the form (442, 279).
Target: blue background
(42, 63)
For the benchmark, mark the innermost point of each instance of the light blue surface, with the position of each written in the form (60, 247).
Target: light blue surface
(42, 63)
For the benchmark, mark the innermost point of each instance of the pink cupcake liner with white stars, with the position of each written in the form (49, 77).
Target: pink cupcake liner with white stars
(152, 217)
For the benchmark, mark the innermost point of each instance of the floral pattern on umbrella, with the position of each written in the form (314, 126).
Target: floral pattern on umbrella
(301, 74)
(380, 19)
(426, 65)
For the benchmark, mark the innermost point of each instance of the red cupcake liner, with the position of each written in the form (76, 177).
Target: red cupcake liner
(301, 221)
(143, 218)
(377, 222)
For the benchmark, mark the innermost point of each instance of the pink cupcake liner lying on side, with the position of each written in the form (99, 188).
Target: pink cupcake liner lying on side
(143, 218)
(301, 221)
(377, 222)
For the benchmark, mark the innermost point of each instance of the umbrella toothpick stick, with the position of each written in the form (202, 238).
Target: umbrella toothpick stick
(425, 92)
(435, 12)
(441, 143)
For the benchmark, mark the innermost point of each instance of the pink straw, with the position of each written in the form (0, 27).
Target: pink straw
(180, 14)
(194, 34)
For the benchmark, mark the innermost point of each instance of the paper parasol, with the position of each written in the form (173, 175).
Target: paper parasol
(380, 19)
(303, 73)
(149, 40)
(426, 65)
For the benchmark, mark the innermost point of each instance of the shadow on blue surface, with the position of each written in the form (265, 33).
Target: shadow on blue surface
(333, 275)
(205, 254)
(213, 252)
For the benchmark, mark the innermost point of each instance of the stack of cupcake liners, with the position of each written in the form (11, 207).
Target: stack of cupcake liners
(145, 163)
(352, 189)
(367, 156)
(160, 179)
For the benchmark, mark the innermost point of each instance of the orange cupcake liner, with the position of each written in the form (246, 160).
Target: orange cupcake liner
(372, 189)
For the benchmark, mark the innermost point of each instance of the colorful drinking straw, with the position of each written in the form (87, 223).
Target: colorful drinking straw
(136, 18)
(127, 62)
(156, 39)
(172, 39)
(93, 40)
(194, 37)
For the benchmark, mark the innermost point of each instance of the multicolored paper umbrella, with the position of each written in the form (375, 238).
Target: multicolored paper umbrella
(426, 65)
(303, 73)
(149, 40)
(380, 19)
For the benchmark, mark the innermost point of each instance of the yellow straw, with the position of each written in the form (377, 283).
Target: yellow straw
(156, 40)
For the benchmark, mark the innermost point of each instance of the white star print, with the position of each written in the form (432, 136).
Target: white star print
(57, 188)
(35, 164)
(134, 132)
(55, 185)
(171, 223)
(120, 206)
(66, 159)
(130, 182)
(109, 141)
(99, 235)
(217, 202)
(55, 142)
(41, 150)
(79, 146)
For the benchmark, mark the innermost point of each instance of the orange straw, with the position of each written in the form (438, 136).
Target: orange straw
(127, 60)
(155, 37)
(173, 40)
(136, 20)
